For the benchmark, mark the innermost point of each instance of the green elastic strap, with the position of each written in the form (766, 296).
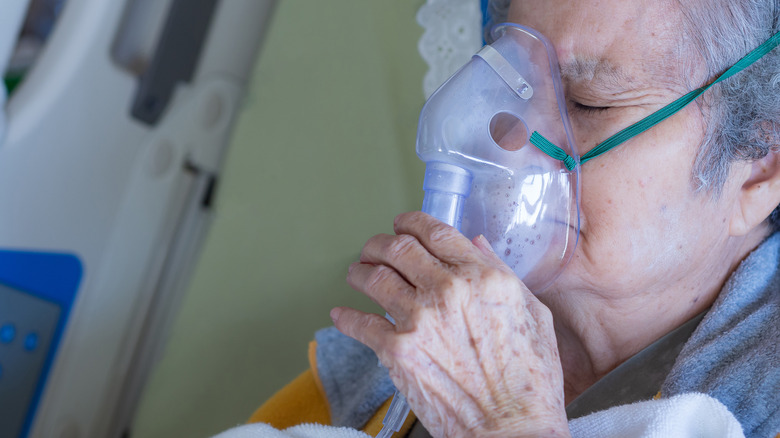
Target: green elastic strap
(550, 149)
(657, 117)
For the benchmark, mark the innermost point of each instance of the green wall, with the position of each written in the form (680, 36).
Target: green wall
(322, 159)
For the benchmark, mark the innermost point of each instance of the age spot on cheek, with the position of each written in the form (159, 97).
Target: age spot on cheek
(643, 182)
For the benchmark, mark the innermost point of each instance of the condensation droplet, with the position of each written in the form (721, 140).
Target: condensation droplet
(507, 252)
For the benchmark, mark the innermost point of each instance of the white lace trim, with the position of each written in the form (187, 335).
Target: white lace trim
(453, 32)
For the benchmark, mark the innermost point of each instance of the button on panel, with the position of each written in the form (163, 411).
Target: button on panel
(31, 342)
(27, 326)
(7, 333)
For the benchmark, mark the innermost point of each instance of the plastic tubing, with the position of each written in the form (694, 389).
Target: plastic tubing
(446, 188)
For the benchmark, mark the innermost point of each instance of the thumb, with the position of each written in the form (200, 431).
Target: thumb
(484, 246)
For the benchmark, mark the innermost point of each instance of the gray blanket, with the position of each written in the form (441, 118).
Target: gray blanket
(733, 355)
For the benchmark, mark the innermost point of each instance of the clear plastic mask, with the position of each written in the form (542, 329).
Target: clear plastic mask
(484, 176)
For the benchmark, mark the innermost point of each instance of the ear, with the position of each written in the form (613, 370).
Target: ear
(759, 195)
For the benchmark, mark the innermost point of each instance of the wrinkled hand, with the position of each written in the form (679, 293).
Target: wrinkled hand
(472, 349)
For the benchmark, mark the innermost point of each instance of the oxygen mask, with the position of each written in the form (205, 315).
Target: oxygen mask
(484, 176)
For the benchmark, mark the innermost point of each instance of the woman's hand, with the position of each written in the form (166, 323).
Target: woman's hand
(472, 349)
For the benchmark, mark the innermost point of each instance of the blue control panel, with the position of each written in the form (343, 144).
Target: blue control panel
(37, 291)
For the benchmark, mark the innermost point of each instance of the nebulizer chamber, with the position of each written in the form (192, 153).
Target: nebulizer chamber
(482, 174)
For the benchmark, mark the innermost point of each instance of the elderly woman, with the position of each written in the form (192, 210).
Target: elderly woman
(677, 222)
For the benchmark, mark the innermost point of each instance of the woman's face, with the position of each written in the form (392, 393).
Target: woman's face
(644, 228)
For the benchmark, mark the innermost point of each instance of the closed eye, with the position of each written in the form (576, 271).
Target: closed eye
(589, 109)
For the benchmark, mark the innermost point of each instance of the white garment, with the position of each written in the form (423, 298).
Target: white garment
(689, 415)
(260, 430)
(684, 416)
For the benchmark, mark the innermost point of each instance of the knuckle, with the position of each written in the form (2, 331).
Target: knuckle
(373, 241)
(380, 274)
(409, 219)
(495, 276)
(401, 245)
(404, 217)
(369, 329)
(441, 232)
(371, 322)
(365, 252)
(446, 290)
(455, 283)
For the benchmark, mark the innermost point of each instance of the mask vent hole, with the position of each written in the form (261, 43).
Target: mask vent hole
(508, 131)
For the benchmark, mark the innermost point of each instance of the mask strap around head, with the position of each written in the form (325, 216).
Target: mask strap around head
(657, 117)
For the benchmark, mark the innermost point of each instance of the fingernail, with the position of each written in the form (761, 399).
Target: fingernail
(485, 243)
(334, 314)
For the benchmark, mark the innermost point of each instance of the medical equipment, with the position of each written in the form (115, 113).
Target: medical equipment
(474, 134)
(110, 149)
(483, 176)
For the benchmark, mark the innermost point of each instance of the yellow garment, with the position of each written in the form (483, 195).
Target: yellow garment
(303, 401)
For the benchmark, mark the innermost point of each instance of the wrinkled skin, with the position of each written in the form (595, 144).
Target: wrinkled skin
(476, 353)
(464, 321)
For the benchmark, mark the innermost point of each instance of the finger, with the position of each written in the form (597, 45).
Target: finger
(485, 247)
(487, 250)
(443, 241)
(385, 286)
(405, 255)
(369, 329)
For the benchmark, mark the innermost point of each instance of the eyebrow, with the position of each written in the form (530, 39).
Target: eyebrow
(601, 70)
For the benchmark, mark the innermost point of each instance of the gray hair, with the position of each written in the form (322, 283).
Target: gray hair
(743, 112)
